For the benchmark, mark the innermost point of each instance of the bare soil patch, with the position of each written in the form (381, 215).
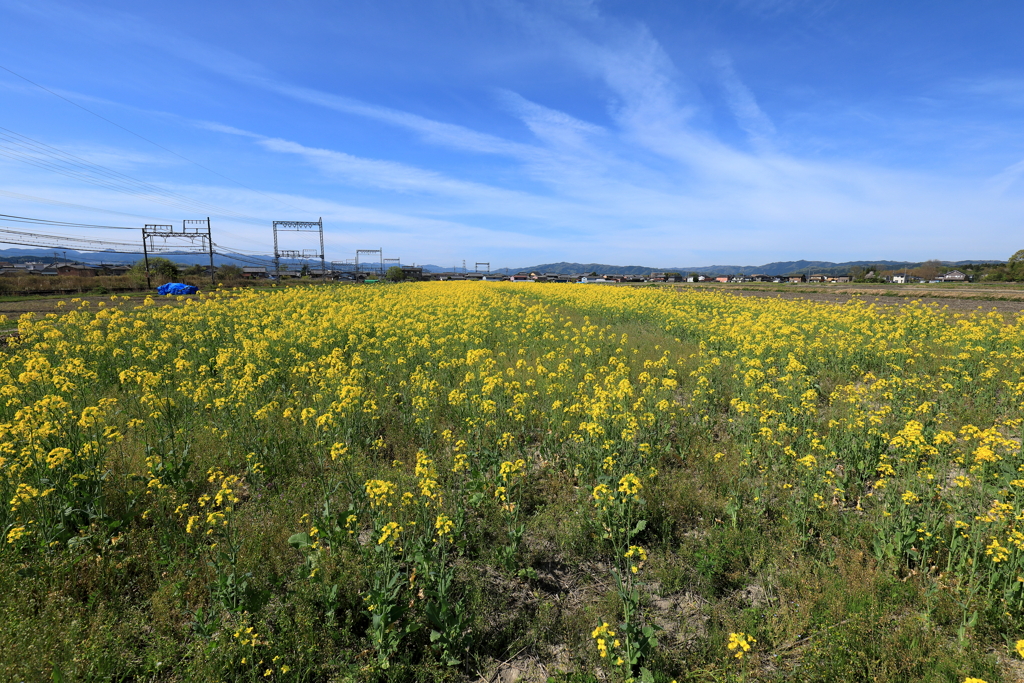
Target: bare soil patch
(957, 302)
(13, 309)
(39, 307)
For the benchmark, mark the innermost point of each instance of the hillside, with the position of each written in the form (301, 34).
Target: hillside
(775, 268)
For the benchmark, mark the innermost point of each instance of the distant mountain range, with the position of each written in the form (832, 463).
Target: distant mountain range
(49, 255)
(775, 268)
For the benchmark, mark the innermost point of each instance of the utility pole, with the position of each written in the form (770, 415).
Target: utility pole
(145, 252)
(209, 243)
(195, 227)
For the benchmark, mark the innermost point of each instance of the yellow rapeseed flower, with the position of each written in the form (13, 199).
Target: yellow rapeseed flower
(741, 643)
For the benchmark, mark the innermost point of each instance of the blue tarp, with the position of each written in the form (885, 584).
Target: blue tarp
(176, 288)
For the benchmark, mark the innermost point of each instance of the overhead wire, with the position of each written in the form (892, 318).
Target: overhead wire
(55, 202)
(22, 148)
(43, 221)
(141, 137)
(47, 222)
(246, 251)
(28, 150)
(245, 259)
(111, 183)
(9, 235)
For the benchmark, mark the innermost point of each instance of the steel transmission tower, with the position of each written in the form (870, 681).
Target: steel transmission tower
(192, 231)
(299, 226)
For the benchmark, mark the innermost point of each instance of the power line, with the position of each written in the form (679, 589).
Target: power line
(48, 222)
(247, 251)
(11, 236)
(245, 259)
(47, 157)
(156, 144)
(43, 221)
(28, 150)
(16, 195)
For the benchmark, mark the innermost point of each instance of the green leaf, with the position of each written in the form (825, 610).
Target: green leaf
(300, 540)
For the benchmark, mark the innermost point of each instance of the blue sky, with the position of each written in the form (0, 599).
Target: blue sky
(655, 133)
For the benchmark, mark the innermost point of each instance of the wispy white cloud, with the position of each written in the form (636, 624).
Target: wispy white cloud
(652, 179)
(774, 8)
(553, 127)
(388, 175)
(1008, 177)
(744, 106)
(1007, 91)
(431, 131)
(461, 196)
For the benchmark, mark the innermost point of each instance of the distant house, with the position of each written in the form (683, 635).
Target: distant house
(955, 276)
(110, 269)
(722, 278)
(840, 278)
(761, 278)
(32, 268)
(15, 269)
(254, 272)
(77, 269)
(816, 278)
(796, 278)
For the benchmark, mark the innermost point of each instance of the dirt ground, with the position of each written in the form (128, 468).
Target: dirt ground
(41, 306)
(1009, 301)
(958, 302)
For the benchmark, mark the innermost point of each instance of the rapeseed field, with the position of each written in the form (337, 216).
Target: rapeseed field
(456, 481)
